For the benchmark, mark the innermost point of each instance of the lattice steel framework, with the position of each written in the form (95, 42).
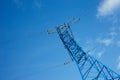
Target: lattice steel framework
(89, 67)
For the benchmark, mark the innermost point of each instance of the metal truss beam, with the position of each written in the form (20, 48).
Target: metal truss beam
(89, 67)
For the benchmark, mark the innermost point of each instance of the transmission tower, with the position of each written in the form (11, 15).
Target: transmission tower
(88, 66)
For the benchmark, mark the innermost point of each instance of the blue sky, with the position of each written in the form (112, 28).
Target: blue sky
(27, 52)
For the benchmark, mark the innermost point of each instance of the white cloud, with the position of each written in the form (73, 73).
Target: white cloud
(118, 43)
(110, 39)
(37, 3)
(22, 4)
(113, 28)
(118, 66)
(108, 7)
(119, 58)
(100, 54)
(18, 3)
(113, 33)
(106, 41)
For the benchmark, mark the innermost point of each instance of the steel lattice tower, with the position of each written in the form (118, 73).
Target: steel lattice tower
(89, 67)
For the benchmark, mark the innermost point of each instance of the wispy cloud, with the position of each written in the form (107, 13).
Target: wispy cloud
(98, 46)
(108, 7)
(118, 43)
(24, 4)
(37, 3)
(100, 53)
(113, 33)
(106, 41)
(118, 65)
(18, 3)
(110, 38)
